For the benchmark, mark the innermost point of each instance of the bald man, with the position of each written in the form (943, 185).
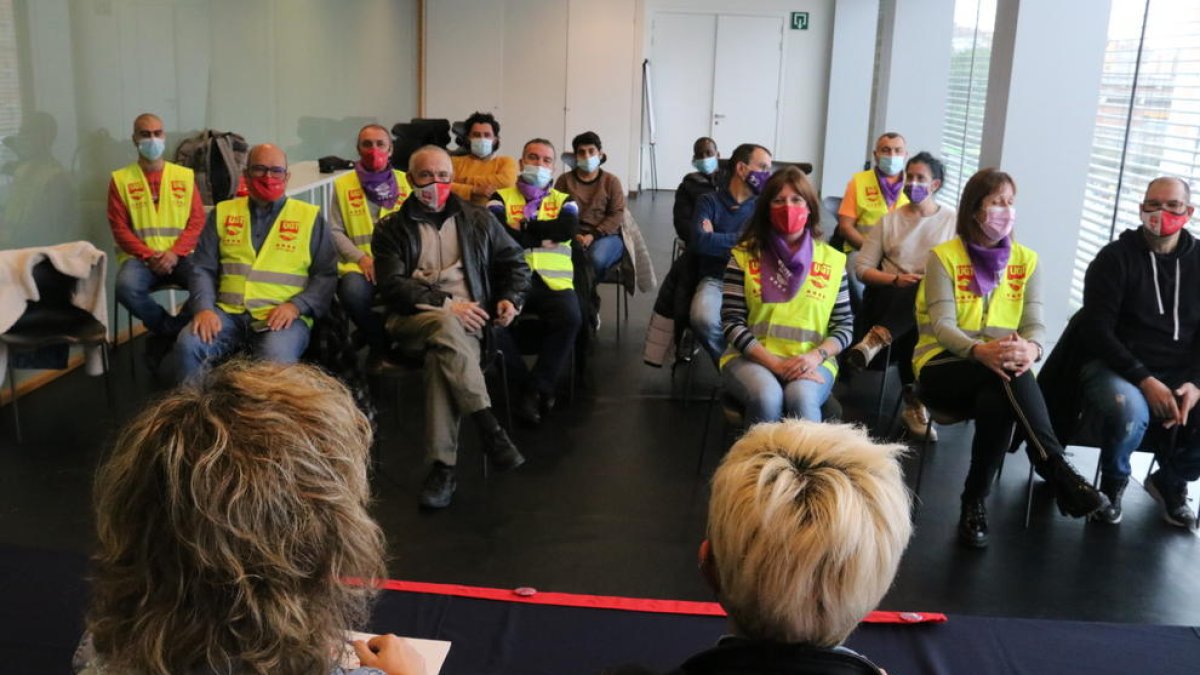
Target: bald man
(265, 268)
(448, 271)
(155, 230)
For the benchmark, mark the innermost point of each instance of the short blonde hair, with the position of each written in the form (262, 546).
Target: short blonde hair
(228, 517)
(807, 523)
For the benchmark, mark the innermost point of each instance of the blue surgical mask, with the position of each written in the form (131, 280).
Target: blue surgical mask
(151, 148)
(891, 165)
(481, 147)
(589, 164)
(705, 165)
(537, 176)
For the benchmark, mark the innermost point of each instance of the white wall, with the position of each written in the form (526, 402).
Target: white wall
(848, 116)
(806, 64)
(914, 71)
(545, 68)
(1039, 127)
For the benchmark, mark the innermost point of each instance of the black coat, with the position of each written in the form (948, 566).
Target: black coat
(735, 656)
(493, 262)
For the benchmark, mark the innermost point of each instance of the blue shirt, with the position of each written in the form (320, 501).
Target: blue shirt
(727, 217)
(322, 273)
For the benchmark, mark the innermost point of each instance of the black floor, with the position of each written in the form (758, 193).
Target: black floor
(610, 502)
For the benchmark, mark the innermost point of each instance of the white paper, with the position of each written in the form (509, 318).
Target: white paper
(432, 651)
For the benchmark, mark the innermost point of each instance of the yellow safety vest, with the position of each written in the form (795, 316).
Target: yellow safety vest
(799, 325)
(356, 216)
(261, 282)
(869, 202)
(157, 227)
(552, 263)
(985, 321)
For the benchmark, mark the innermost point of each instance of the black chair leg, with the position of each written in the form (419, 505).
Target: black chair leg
(12, 392)
(887, 360)
(921, 458)
(1029, 496)
(712, 402)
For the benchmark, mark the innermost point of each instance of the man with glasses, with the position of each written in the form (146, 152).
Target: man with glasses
(155, 213)
(264, 269)
(1141, 319)
(446, 269)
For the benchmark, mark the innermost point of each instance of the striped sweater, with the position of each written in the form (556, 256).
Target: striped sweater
(734, 312)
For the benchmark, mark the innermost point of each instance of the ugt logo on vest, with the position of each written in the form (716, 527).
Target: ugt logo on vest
(288, 229)
(137, 191)
(234, 225)
(963, 274)
(516, 210)
(1016, 276)
(820, 274)
(355, 197)
(551, 210)
(178, 190)
(872, 193)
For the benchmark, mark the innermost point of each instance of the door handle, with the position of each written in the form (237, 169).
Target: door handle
(718, 116)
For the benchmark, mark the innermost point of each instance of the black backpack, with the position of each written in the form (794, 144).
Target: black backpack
(218, 158)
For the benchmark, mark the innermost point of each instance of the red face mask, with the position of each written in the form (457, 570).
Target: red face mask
(432, 196)
(374, 159)
(789, 218)
(267, 188)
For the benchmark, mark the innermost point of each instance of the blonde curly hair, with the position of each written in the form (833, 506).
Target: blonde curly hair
(229, 516)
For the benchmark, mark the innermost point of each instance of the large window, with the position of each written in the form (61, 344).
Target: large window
(1147, 120)
(974, 23)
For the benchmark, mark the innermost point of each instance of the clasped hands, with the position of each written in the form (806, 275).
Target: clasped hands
(474, 318)
(804, 366)
(1008, 357)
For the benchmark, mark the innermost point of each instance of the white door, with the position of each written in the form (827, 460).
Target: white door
(681, 74)
(745, 102)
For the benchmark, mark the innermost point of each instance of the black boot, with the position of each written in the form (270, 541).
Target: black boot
(1075, 496)
(527, 411)
(496, 443)
(438, 487)
(1113, 488)
(972, 524)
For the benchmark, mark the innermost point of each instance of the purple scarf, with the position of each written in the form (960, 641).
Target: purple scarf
(783, 270)
(987, 263)
(380, 186)
(533, 198)
(891, 191)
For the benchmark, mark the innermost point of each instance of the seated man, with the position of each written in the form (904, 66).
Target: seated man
(715, 229)
(869, 196)
(703, 180)
(1141, 316)
(479, 173)
(601, 201)
(264, 269)
(807, 523)
(445, 269)
(543, 220)
(154, 235)
(373, 190)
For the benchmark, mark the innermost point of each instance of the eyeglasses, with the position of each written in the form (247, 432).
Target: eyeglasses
(1174, 206)
(260, 170)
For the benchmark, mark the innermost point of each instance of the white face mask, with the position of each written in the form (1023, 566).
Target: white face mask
(535, 175)
(482, 147)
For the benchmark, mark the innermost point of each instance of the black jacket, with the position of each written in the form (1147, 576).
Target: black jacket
(692, 187)
(736, 656)
(493, 263)
(1141, 311)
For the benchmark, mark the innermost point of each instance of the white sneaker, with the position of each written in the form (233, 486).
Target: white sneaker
(916, 419)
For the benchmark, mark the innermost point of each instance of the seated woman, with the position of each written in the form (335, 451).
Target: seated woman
(891, 263)
(227, 518)
(806, 527)
(785, 307)
(979, 314)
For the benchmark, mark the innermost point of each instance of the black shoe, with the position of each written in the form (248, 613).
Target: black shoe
(546, 403)
(157, 348)
(1075, 496)
(501, 450)
(438, 488)
(1113, 488)
(526, 410)
(972, 524)
(1172, 500)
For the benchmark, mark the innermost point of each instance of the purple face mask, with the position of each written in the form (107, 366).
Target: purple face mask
(757, 180)
(917, 192)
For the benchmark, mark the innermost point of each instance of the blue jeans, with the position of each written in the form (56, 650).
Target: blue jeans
(193, 357)
(606, 251)
(134, 281)
(766, 399)
(357, 295)
(1125, 419)
(706, 316)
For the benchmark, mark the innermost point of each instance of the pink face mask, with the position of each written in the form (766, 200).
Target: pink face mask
(432, 196)
(1164, 223)
(374, 159)
(267, 188)
(998, 223)
(789, 218)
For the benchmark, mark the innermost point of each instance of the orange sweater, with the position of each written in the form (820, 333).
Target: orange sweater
(470, 171)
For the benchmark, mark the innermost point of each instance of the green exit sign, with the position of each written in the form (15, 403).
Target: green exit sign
(799, 20)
